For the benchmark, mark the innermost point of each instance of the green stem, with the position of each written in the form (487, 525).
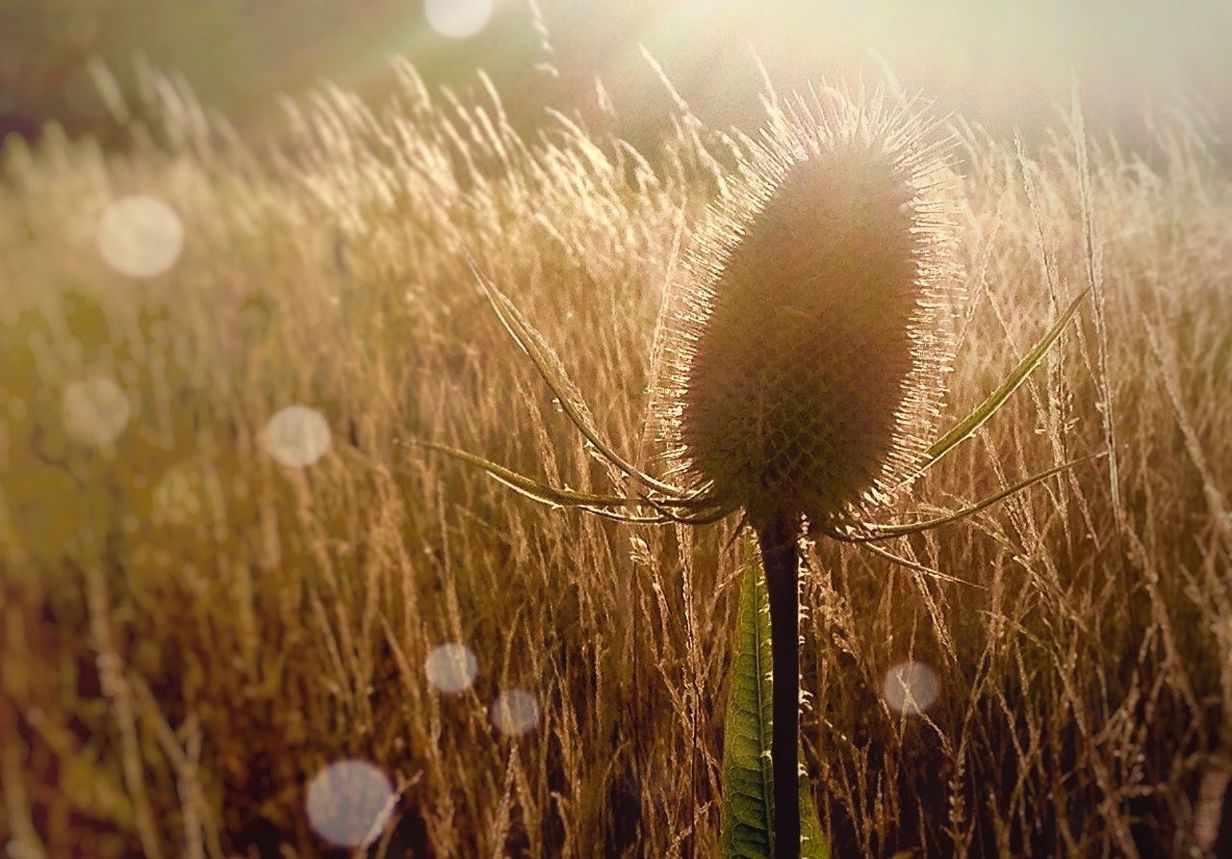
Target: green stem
(781, 557)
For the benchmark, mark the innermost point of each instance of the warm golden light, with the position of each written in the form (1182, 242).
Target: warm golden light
(1001, 62)
(554, 428)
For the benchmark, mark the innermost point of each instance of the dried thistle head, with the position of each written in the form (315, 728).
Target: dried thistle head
(804, 355)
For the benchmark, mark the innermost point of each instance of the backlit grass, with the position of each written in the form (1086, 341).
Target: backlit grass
(201, 613)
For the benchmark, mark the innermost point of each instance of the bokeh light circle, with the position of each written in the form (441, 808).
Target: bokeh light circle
(297, 436)
(95, 410)
(349, 803)
(177, 497)
(910, 687)
(458, 19)
(515, 712)
(140, 236)
(451, 667)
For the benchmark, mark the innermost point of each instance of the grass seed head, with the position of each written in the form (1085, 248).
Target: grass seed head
(805, 345)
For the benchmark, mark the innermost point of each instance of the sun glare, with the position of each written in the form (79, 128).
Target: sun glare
(458, 19)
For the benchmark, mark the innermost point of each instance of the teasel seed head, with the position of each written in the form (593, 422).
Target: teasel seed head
(804, 348)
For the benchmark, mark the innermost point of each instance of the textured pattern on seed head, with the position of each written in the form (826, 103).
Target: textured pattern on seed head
(804, 353)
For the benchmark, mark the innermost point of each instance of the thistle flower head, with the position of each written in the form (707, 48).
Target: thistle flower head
(804, 354)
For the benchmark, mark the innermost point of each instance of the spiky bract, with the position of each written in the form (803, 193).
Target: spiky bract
(805, 356)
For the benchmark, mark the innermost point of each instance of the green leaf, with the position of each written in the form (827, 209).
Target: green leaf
(748, 781)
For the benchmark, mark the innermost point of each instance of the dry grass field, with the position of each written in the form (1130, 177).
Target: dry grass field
(191, 631)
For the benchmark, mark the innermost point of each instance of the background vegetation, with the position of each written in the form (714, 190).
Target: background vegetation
(191, 631)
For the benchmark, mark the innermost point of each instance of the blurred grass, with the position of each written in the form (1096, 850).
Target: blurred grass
(191, 631)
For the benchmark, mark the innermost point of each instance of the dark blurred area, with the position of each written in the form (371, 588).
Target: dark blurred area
(1007, 65)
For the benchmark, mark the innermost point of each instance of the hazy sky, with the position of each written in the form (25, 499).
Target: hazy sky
(1005, 63)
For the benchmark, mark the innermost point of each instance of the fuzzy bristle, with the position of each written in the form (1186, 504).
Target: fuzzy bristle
(805, 355)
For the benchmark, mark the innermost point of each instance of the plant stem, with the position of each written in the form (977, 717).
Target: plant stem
(781, 558)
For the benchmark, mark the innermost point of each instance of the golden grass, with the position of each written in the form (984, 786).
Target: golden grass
(192, 631)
